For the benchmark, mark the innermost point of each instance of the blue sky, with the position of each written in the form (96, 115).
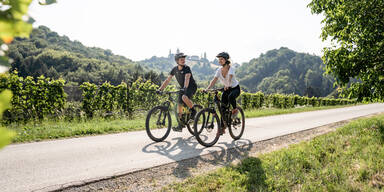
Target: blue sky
(139, 29)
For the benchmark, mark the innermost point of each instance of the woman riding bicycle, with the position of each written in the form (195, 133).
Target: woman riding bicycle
(226, 74)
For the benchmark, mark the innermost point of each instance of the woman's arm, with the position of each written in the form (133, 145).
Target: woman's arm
(212, 82)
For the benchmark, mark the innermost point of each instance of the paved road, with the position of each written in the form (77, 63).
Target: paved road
(47, 165)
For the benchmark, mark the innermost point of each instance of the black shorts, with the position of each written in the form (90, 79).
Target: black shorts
(189, 93)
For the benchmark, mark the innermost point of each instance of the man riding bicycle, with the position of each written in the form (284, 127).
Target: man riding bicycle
(185, 79)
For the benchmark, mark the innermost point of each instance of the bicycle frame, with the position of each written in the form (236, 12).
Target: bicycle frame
(167, 106)
(215, 102)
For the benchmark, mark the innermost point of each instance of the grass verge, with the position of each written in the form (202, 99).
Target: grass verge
(51, 129)
(349, 159)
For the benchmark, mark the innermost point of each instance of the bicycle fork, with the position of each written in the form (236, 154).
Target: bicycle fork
(209, 123)
(163, 114)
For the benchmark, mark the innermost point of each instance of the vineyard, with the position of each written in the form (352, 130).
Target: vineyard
(44, 98)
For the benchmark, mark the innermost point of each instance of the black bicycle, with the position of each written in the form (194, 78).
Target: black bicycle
(158, 123)
(209, 127)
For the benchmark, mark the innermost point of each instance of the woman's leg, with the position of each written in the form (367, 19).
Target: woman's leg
(224, 97)
(235, 92)
(225, 101)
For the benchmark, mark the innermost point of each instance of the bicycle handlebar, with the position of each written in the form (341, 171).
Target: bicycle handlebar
(215, 90)
(170, 92)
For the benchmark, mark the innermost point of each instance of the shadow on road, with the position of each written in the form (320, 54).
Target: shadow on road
(188, 153)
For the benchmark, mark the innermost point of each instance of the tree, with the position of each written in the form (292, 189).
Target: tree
(356, 57)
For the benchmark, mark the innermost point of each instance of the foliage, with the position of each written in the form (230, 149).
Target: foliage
(141, 95)
(280, 101)
(5, 135)
(287, 72)
(14, 21)
(41, 98)
(122, 98)
(32, 98)
(11, 21)
(356, 57)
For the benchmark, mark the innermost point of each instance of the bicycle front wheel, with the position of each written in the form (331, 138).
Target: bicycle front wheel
(206, 127)
(190, 123)
(237, 125)
(158, 123)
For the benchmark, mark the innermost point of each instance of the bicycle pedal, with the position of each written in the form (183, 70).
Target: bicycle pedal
(177, 129)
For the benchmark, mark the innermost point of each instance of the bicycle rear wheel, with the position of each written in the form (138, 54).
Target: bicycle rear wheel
(206, 127)
(158, 123)
(236, 129)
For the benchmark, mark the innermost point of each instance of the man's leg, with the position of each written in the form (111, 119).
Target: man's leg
(187, 101)
(179, 127)
(180, 105)
(180, 109)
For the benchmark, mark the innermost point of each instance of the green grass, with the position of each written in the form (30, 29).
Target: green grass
(60, 129)
(349, 159)
(51, 129)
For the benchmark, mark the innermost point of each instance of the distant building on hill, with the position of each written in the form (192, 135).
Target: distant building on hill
(193, 59)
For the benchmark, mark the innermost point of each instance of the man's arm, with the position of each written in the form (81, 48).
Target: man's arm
(186, 80)
(165, 83)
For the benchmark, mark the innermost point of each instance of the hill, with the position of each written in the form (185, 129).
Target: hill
(286, 71)
(49, 54)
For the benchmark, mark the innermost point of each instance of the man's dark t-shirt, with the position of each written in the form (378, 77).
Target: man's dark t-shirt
(180, 76)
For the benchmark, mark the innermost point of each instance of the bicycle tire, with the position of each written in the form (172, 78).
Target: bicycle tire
(190, 125)
(148, 125)
(242, 126)
(198, 135)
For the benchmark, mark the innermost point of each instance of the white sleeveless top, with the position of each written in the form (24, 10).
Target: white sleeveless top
(225, 80)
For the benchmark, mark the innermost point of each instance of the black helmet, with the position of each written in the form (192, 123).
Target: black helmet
(224, 55)
(179, 55)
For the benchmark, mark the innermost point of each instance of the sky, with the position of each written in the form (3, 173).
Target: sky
(140, 29)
